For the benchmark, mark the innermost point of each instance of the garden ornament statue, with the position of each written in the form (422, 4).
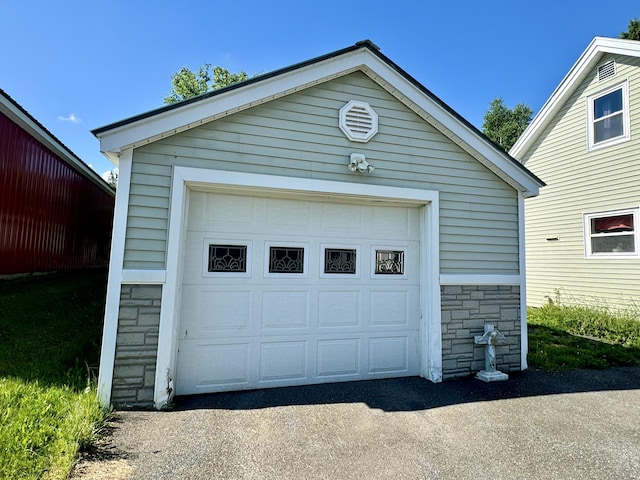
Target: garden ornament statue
(490, 339)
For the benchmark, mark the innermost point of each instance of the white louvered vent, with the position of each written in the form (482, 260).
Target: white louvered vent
(606, 70)
(358, 121)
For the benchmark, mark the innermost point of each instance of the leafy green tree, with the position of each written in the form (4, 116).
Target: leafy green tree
(186, 83)
(633, 30)
(504, 125)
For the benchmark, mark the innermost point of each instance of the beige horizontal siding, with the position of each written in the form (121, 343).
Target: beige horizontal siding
(298, 136)
(578, 182)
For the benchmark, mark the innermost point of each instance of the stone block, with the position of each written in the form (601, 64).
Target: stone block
(149, 319)
(474, 324)
(146, 292)
(451, 289)
(509, 314)
(476, 295)
(460, 314)
(135, 303)
(128, 338)
(128, 313)
(471, 304)
(128, 371)
(145, 395)
(490, 308)
(463, 333)
(150, 377)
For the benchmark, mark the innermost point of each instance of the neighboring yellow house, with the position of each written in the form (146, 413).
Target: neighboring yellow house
(581, 233)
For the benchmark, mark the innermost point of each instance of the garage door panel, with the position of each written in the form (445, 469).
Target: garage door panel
(215, 366)
(389, 307)
(284, 213)
(283, 360)
(338, 358)
(339, 308)
(285, 309)
(211, 212)
(389, 354)
(208, 312)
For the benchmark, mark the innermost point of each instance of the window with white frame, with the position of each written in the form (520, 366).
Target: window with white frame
(611, 234)
(609, 116)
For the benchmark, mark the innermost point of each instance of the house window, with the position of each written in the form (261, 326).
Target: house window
(611, 234)
(609, 117)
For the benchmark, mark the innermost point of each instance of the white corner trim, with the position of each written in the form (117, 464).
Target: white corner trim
(183, 177)
(430, 293)
(143, 277)
(479, 279)
(524, 331)
(112, 306)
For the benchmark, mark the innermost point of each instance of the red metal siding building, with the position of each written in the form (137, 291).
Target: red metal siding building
(55, 212)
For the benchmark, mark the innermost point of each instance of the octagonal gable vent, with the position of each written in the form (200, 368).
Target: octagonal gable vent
(358, 121)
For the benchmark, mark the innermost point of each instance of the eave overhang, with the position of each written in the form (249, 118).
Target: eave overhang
(583, 67)
(18, 115)
(363, 56)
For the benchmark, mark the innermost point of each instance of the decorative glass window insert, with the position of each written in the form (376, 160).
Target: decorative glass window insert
(339, 260)
(286, 260)
(609, 117)
(611, 234)
(389, 262)
(227, 258)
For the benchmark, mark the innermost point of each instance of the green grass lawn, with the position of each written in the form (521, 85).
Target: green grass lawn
(50, 329)
(565, 337)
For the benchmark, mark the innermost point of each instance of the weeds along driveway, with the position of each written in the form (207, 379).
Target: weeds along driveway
(581, 424)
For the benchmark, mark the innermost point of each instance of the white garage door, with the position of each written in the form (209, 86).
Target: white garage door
(281, 291)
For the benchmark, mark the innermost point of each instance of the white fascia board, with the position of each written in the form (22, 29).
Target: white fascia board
(45, 138)
(585, 64)
(170, 122)
(452, 127)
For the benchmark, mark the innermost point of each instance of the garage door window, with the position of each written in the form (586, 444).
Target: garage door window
(286, 260)
(227, 258)
(389, 262)
(223, 259)
(340, 260)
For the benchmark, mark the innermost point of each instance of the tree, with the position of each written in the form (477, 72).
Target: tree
(503, 125)
(186, 83)
(633, 30)
(111, 177)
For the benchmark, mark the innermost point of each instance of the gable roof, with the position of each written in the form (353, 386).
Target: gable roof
(18, 115)
(364, 56)
(590, 58)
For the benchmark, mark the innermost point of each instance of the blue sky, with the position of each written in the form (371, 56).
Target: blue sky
(78, 65)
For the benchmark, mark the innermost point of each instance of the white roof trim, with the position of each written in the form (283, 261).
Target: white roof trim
(589, 59)
(169, 122)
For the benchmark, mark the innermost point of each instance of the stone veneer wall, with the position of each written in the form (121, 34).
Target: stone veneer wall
(136, 345)
(465, 310)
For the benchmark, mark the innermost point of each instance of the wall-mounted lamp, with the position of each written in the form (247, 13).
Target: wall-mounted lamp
(359, 163)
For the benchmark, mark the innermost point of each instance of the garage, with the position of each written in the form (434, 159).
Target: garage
(290, 291)
(329, 221)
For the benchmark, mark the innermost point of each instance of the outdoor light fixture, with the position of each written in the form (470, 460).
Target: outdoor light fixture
(359, 163)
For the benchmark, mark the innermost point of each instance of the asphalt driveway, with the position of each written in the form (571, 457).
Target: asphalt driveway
(580, 424)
